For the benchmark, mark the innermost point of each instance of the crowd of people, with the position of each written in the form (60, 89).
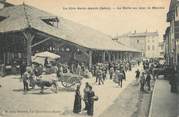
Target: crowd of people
(116, 71)
(151, 71)
(145, 76)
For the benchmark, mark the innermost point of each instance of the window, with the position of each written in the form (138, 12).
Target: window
(52, 22)
(153, 47)
(148, 47)
(137, 41)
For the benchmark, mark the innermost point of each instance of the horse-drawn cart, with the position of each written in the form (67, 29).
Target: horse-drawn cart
(69, 79)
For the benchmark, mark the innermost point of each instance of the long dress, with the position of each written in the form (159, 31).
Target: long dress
(77, 102)
(90, 108)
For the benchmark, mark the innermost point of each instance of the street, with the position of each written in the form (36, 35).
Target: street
(130, 103)
(14, 103)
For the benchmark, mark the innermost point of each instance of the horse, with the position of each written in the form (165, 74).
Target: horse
(44, 83)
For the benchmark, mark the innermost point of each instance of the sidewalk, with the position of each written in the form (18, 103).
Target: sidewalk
(164, 103)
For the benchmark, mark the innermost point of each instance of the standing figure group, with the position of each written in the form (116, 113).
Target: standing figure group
(144, 80)
(119, 76)
(89, 98)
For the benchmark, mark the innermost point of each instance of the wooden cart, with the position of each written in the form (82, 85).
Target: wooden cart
(69, 79)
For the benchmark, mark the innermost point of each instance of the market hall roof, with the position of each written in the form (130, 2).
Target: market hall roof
(21, 17)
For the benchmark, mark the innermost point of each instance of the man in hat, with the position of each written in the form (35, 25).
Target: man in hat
(111, 72)
(148, 79)
(137, 74)
(142, 81)
(99, 76)
(22, 68)
(119, 76)
(25, 79)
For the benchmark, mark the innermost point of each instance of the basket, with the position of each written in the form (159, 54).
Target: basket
(95, 98)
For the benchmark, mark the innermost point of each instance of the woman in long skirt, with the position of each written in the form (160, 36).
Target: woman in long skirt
(77, 102)
(90, 95)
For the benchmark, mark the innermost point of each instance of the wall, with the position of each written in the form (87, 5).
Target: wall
(152, 46)
(138, 42)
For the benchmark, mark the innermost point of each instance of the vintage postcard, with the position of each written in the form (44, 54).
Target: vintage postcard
(80, 58)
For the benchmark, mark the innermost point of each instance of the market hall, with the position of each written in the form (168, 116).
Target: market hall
(26, 30)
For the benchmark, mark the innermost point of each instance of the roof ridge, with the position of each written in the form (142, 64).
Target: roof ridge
(26, 15)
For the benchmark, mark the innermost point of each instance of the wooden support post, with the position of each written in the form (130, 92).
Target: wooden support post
(114, 57)
(29, 52)
(109, 56)
(117, 56)
(103, 56)
(90, 58)
(29, 37)
(127, 56)
(4, 58)
(122, 55)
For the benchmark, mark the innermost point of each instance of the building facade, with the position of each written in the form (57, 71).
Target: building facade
(171, 36)
(147, 42)
(153, 45)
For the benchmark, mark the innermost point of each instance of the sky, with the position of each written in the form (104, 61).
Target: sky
(112, 17)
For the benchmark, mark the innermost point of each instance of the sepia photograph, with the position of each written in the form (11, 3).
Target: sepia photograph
(89, 58)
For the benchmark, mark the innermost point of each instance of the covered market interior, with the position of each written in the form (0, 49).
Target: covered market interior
(25, 30)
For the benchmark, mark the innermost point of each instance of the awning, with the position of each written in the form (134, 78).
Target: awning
(47, 54)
